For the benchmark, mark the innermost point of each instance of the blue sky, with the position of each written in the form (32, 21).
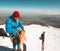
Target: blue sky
(31, 4)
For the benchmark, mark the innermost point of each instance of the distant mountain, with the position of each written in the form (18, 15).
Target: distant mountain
(45, 20)
(2, 20)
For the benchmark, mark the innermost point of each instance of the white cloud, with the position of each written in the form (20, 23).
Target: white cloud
(32, 11)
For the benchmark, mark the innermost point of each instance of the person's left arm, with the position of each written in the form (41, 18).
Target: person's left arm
(21, 25)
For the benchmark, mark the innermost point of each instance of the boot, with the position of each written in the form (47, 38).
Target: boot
(14, 50)
(18, 50)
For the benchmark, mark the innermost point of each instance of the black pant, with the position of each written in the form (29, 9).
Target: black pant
(16, 40)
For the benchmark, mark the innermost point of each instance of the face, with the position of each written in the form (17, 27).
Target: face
(16, 19)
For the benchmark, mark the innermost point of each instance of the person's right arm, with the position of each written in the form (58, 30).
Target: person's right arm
(9, 28)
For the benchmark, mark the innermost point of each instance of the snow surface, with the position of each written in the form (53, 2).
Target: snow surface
(33, 32)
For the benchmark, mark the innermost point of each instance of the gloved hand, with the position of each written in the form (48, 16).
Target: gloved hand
(17, 34)
(24, 31)
(40, 37)
(19, 29)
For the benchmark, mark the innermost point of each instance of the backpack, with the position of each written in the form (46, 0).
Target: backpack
(2, 32)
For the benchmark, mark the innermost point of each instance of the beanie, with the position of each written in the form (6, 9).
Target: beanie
(16, 14)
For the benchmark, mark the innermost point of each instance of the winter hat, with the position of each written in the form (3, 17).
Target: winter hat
(16, 14)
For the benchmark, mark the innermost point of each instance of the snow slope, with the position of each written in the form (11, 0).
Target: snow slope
(33, 32)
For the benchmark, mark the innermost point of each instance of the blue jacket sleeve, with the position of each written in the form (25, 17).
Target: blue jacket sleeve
(9, 28)
(21, 25)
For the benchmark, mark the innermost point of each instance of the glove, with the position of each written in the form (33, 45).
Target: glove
(19, 29)
(40, 37)
(17, 34)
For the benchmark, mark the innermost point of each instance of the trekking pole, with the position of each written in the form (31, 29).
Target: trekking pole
(42, 47)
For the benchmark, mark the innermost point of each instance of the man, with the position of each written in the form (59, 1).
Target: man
(14, 27)
(42, 38)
